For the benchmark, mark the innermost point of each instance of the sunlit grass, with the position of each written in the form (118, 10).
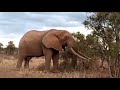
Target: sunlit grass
(8, 64)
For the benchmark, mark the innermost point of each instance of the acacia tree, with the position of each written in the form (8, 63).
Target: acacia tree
(88, 44)
(80, 39)
(10, 48)
(1, 47)
(106, 27)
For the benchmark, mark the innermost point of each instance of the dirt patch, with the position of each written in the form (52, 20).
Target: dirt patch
(8, 64)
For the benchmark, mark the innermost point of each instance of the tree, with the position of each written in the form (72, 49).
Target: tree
(80, 39)
(1, 47)
(10, 48)
(106, 27)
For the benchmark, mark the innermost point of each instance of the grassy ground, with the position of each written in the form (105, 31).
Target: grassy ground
(8, 64)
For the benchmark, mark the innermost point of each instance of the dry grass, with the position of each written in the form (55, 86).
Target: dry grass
(8, 64)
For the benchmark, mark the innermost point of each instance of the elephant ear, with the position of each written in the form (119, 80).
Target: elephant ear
(52, 41)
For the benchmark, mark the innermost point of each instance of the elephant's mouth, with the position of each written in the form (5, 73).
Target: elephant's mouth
(63, 46)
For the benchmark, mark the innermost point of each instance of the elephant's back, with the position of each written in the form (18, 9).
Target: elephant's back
(33, 33)
(32, 37)
(31, 41)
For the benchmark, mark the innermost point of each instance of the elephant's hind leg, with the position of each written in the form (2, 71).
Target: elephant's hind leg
(26, 64)
(19, 62)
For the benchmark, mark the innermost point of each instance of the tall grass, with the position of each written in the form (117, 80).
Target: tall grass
(8, 64)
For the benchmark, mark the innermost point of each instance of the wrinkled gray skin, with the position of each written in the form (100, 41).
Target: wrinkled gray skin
(45, 43)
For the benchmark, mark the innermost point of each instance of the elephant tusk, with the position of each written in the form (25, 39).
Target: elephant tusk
(84, 55)
(77, 54)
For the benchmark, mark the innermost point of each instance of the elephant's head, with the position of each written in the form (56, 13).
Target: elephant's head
(57, 39)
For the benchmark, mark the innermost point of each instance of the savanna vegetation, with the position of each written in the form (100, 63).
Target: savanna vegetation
(102, 46)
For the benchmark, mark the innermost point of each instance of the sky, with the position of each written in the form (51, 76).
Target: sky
(13, 25)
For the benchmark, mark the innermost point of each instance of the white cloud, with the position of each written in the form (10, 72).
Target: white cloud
(71, 29)
(4, 39)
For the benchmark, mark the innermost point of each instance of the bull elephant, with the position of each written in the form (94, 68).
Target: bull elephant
(46, 43)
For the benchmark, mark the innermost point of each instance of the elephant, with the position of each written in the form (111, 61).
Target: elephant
(46, 43)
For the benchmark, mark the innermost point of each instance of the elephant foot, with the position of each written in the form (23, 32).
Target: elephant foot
(56, 71)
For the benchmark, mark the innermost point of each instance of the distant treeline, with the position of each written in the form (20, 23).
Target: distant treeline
(9, 50)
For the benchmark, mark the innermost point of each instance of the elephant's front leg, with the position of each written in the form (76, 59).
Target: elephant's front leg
(55, 59)
(47, 63)
(48, 57)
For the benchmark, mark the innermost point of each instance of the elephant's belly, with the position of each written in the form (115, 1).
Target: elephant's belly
(35, 52)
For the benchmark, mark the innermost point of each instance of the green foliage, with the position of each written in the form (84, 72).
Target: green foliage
(88, 45)
(80, 39)
(106, 26)
(1, 47)
(104, 41)
(10, 48)
(69, 59)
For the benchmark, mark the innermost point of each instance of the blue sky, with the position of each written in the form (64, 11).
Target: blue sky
(14, 24)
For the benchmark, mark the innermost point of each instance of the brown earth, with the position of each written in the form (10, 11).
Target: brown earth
(8, 64)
